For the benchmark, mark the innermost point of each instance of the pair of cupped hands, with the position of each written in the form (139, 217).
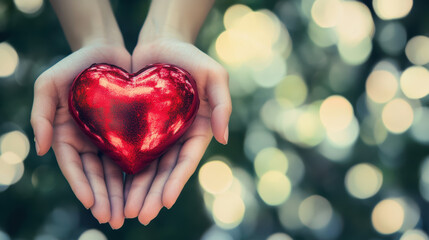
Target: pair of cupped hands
(94, 178)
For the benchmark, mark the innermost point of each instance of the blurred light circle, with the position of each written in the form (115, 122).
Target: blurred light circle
(228, 210)
(271, 74)
(415, 82)
(372, 131)
(388, 216)
(345, 137)
(92, 234)
(292, 88)
(228, 49)
(308, 128)
(215, 233)
(355, 23)
(270, 159)
(14, 147)
(417, 50)
(355, 54)
(8, 59)
(424, 179)
(333, 152)
(420, 129)
(322, 37)
(315, 212)
(336, 113)
(392, 9)
(412, 213)
(10, 173)
(288, 211)
(4, 236)
(269, 111)
(414, 234)
(234, 13)
(256, 140)
(381, 86)
(279, 236)
(326, 13)
(296, 167)
(397, 116)
(392, 38)
(215, 177)
(363, 180)
(28, 6)
(274, 188)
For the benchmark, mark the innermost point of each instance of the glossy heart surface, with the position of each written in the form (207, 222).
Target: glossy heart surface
(134, 118)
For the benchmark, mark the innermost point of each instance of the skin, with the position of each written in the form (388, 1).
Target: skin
(166, 36)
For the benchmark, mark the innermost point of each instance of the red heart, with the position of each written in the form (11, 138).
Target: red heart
(134, 118)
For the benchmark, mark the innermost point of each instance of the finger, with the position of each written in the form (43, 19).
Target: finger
(128, 181)
(138, 190)
(153, 201)
(113, 178)
(217, 90)
(43, 112)
(93, 169)
(70, 164)
(190, 155)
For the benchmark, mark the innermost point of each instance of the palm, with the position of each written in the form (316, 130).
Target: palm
(161, 183)
(97, 184)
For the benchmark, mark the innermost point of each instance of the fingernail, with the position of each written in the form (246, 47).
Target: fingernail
(225, 135)
(37, 147)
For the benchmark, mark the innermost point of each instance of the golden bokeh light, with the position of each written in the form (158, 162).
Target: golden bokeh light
(388, 216)
(381, 86)
(397, 116)
(28, 6)
(355, 53)
(392, 9)
(417, 50)
(10, 173)
(234, 13)
(14, 147)
(355, 23)
(274, 188)
(415, 82)
(228, 210)
(215, 177)
(8, 59)
(279, 236)
(293, 89)
(326, 13)
(309, 130)
(363, 180)
(270, 159)
(414, 234)
(315, 212)
(92, 234)
(336, 113)
(345, 137)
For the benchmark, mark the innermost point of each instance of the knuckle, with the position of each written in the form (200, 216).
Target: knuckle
(43, 81)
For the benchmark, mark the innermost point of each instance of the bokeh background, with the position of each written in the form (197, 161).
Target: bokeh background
(329, 133)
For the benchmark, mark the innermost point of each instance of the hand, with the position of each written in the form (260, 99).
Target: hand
(96, 182)
(161, 182)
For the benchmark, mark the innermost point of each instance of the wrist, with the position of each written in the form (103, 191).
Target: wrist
(100, 41)
(155, 31)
